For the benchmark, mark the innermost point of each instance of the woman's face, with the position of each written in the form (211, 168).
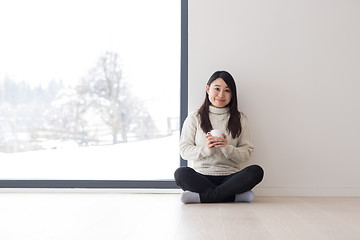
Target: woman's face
(219, 93)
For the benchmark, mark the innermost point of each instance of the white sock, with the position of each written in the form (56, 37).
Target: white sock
(190, 197)
(244, 197)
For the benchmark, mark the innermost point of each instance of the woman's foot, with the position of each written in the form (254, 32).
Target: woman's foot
(244, 197)
(190, 197)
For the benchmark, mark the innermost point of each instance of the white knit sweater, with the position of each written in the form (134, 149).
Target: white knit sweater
(215, 161)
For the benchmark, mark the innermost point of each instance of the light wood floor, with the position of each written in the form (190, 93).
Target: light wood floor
(105, 216)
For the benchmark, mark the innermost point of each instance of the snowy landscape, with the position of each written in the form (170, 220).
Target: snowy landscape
(90, 98)
(154, 159)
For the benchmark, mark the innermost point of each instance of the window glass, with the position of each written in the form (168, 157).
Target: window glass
(89, 89)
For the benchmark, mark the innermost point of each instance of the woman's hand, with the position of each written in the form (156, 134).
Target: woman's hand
(216, 141)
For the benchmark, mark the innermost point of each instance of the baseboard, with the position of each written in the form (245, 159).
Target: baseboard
(307, 191)
(258, 191)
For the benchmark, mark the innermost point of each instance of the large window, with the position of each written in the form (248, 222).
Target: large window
(90, 92)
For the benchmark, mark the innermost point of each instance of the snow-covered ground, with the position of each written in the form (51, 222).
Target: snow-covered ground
(154, 159)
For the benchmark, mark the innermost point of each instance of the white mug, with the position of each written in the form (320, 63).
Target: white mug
(216, 133)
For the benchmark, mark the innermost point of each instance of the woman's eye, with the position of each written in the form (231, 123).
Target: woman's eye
(217, 89)
(227, 90)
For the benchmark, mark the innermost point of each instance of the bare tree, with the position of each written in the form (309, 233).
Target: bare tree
(110, 95)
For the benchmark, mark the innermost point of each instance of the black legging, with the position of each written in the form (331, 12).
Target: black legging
(218, 188)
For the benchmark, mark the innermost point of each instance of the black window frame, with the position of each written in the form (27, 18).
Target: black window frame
(133, 184)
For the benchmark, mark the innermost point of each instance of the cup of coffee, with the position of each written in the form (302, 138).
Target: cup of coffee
(216, 133)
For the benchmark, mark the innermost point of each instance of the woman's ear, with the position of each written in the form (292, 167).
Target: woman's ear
(207, 89)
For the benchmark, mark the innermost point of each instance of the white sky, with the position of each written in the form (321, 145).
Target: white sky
(43, 40)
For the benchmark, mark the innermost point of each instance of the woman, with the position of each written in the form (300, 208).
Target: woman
(216, 174)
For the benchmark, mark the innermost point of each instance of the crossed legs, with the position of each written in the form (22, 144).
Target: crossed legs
(213, 189)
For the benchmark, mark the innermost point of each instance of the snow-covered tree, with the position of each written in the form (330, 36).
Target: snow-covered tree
(109, 94)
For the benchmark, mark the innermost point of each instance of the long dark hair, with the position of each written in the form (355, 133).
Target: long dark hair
(234, 124)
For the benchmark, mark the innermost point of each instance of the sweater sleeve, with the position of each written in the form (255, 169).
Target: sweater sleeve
(188, 148)
(244, 148)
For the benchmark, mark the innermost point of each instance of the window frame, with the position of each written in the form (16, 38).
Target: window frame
(133, 184)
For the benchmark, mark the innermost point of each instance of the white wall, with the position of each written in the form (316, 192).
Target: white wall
(297, 67)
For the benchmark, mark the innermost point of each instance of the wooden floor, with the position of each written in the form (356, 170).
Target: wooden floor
(108, 216)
